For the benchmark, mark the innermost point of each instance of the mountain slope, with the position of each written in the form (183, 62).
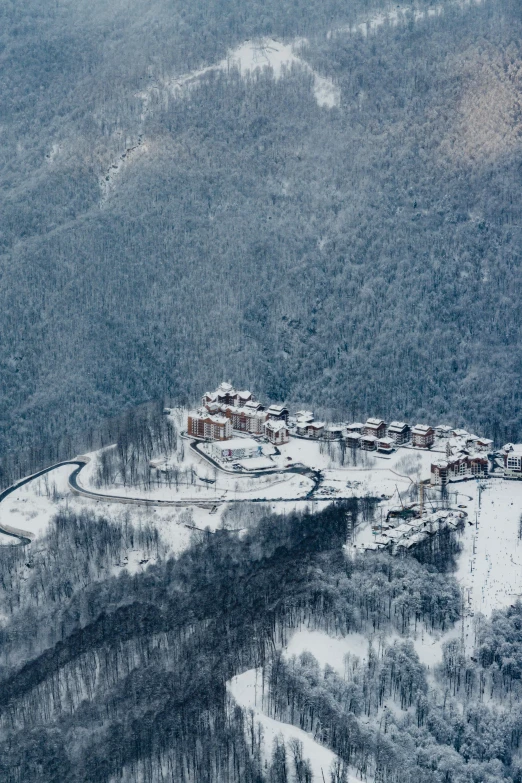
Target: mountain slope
(364, 257)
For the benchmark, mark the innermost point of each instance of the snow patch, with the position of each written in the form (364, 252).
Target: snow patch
(246, 689)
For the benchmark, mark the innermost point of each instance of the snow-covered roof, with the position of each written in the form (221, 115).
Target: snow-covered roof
(244, 395)
(239, 443)
(226, 388)
(461, 433)
(370, 438)
(357, 425)
(277, 409)
(484, 441)
(440, 464)
(304, 415)
(397, 426)
(513, 448)
(335, 428)
(354, 436)
(276, 425)
(422, 429)
(316, 425)
(443, 428)
(302, 420)
(385, 441)
(374, 422)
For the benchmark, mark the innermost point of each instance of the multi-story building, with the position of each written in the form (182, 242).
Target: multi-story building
(399, 432)
(385, 445)
(246, 419)
(375, 427)
(512, 453)
(459, 466)
(227, 395)
(212, 427)
(276, 430)
(237, 448)
(314, 429)
(423, 436)
(368, 442)
(278, 412)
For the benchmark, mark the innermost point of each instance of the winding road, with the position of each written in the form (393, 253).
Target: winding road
(25, 537)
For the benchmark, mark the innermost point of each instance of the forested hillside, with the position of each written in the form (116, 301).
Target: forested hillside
(364, 256)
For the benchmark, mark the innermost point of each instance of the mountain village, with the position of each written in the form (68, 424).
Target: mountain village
(237, 425)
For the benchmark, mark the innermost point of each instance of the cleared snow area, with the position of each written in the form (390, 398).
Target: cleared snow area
(490, 566)
(246, 689)
(326, 649)
(397, 15)
(247, 58)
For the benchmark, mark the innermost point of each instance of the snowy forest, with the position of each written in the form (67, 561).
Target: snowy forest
(308, 252)
(107, 678)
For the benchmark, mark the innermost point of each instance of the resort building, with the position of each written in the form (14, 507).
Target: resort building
(457, 467)
(423, 436)
(368, 442)
(238, 448)
(278, 412)
(375, 427)
(399, 432)
(385, 445)
(512, 453)
(205, 425)
(276, 430)
(227, 395)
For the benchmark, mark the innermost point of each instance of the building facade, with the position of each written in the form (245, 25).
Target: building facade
(399, 432)
(227, 395)
(458, 467)
(375, 427)
(512, 453)
(423, 436)
(205, 425)
(276, 431)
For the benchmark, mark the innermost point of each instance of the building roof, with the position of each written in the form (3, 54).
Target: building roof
(461, 433)
(355, 436)
(275, 426)
(239, 443)
(357, 425)
(371, 438)
(302, 420)
(304, 414)
(315, 425)
(374, 422)
(276, 408)
(226, 388)
(385, 441)
(335, 428)
(397, 426)
(422, 429)
(513, 448)
(244, 395)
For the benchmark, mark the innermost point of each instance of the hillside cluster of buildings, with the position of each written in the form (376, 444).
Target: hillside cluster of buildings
(398, 539)
(227, 411)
